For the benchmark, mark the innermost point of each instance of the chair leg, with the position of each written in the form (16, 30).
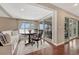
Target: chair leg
(37, 44)
(32, 43)
(41, 42)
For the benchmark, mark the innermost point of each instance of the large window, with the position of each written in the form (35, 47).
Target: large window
(25, 26)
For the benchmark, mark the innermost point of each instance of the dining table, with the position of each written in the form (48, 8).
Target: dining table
(29, 37)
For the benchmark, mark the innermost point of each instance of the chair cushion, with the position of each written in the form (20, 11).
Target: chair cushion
(36, 39)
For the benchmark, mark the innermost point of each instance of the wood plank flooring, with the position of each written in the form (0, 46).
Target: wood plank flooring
(70, 48)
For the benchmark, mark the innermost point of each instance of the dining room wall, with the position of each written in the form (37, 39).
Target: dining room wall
(8, 24)
(61, 20)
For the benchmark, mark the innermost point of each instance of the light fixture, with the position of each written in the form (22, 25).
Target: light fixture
(22, 9)
(76, 4)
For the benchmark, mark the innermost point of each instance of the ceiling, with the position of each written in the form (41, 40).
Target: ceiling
(25, 11)
(71, 7)
(32, 12)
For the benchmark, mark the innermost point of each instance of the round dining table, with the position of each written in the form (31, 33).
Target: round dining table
(29, 37)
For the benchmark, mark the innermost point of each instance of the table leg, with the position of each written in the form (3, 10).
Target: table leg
(29, 39)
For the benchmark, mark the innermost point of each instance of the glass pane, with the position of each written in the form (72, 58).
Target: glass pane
(41, 27)
(48, 27)
(66, 28)
(74, 28)
(22, 26)
(32, 26)
(25, 25)
(45, 26)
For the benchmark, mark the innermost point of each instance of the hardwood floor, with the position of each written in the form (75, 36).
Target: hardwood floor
(70, 48)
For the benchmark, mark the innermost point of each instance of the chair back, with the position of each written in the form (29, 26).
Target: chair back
(40, 33)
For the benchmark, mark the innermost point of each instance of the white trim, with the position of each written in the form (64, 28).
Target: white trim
(57, 44)
(61, 42)
(54, 44)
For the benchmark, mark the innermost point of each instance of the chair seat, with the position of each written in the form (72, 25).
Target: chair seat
(36, 39)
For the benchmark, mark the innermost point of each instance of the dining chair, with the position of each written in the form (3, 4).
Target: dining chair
(37, 37)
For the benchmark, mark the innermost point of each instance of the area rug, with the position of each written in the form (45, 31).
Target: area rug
(22, 49)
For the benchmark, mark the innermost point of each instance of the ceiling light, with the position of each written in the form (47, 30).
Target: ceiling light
(76, 4)
(22, 9)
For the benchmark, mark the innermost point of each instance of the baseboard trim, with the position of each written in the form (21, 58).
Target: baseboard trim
(62, 43)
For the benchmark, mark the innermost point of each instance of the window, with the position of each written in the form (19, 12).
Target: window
(45, 26)
(32, 26)
(41, 26)
(25, 26)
